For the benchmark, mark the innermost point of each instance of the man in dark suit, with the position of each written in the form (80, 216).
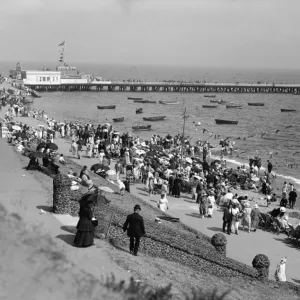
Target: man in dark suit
(134, 225)
(227, 218)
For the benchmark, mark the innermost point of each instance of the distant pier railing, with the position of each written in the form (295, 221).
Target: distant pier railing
(177, 87)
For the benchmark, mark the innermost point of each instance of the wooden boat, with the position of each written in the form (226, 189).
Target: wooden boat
(210, 106)
(210, 96)
(139, 111)
(144, 101)
(35, 94)
(219, 121)
(106, 106)
(288, 110)
(134, 98)
(168, 103)
(218, 101)
(158, 118)
(141, 127)
(256, 104)
(119, 119)
(234, 106)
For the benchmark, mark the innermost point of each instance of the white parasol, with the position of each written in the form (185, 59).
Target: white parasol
(105, 189)
(16, 127)
(111, 172)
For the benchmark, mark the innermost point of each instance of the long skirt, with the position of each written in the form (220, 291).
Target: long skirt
(84, 238)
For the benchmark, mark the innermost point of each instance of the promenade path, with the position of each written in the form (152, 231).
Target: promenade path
(242, 247)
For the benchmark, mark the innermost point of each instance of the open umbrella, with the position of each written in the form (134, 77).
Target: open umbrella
(89, 197)
(102, 169)
(150, 153)
(105, 189)
(111, 172)
(80, 142)
(16, 127)
(36, 155)
(95, 167)
(52, 146)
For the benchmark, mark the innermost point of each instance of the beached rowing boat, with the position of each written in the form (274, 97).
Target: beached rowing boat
(139, 111)
(210, 96)
(219, 121)
(158, 118)
(119, 119)
(256, 104)
(210, 106)
(288, 110)
(144, 101)
(106, 106)
(133, 98)
(168, 103)
(233, 106)
(141, 127)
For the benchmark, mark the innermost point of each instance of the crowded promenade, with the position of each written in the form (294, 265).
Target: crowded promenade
(196, 188)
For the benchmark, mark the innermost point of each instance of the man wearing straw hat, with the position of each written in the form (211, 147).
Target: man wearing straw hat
(134, 225)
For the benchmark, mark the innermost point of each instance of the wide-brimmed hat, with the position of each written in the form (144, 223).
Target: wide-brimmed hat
(282, 209)
(137, 207)
(255, 206)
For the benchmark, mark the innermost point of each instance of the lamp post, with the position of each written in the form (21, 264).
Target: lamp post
(185, 116)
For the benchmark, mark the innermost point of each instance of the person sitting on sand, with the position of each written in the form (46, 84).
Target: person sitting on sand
(121, 187)
(62, 159)
(284, 200)
(162, 203)
(85, 179)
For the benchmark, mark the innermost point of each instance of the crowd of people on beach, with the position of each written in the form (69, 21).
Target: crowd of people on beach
(157, 163)
(165, 165)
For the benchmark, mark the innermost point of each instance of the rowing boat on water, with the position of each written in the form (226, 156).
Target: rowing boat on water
(210, 96)
(210, 106)
(106, 106)
(144, 101)
(218, 101)
(168, 103)
(288, 110)
(256, 104)
(139, 111)
(233, 106)
(141, 127)
(219, 121)
(158, 118)
(119, 119)
(134, 98)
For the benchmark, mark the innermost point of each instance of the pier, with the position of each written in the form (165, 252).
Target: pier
(176, 87)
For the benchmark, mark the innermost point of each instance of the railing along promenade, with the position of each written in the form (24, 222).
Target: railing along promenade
(178, 86)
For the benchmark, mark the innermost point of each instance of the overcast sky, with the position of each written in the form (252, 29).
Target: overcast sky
(234, 33)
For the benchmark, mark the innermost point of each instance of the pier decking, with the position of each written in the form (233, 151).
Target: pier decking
(177, 87)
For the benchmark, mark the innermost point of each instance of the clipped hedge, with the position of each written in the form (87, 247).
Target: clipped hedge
(162, 241)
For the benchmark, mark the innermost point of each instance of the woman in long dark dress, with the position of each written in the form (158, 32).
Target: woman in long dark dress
(85, 228)
(177, 186)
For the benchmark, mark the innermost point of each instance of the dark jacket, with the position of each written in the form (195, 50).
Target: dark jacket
(292, 196)
(85, 219)
(134, 225)
(227, 216)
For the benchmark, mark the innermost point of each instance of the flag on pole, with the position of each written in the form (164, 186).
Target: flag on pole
(62, 44)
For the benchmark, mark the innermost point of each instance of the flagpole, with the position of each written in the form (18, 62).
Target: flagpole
(65, 56)
(183, 131)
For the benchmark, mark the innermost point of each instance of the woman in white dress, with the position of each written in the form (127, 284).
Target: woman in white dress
(280, 270)
(211, 203)
(162, 203)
